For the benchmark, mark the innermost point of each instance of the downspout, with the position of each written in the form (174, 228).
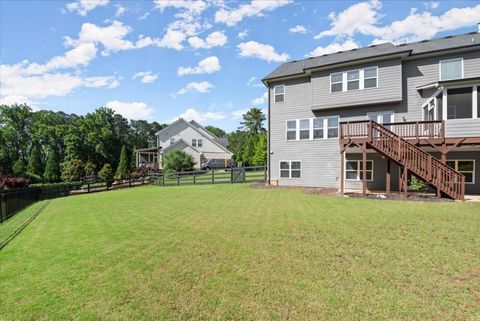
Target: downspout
(268, 136)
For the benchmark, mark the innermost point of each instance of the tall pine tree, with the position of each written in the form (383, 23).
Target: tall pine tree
(35, 161)
(123, 168)
(52, 168)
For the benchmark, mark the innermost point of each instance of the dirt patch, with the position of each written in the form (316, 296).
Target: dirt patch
(399, 197)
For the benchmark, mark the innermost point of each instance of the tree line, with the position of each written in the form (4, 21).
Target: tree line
(50, 146)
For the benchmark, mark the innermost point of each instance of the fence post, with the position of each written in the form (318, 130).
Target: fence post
(3, 207)
(129, 181)
(88, 187)
(231, 175)
(193, 178)
(178, 179)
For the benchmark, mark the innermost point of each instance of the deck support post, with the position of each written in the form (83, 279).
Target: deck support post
(388, 179)
(342, 172)
(364, 169)
(404, 180)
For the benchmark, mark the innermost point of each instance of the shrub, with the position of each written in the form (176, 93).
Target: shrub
(178, 161)
(417, 185)
(106, 173)
(73, 185)
(20, 167)
(74, 170)
(90, 169)
(34, 178)
(14, 182)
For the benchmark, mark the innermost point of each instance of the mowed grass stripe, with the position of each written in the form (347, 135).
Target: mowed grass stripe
(229, 252)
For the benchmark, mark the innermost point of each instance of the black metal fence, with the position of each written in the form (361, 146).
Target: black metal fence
(223, 176)
(13, 201)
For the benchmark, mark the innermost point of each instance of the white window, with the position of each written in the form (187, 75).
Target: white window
(451, 69)
(332, 126)
(384, 117)
(172, 140)
(304, 129)
(353, 80)
(465, 167)
(199, 143)
(194, 142)
(354, 170)
(370, 76)
(318, 128)
(290, 169)
(279, 93)
(291, 129)
(429, 108)
(336, 82)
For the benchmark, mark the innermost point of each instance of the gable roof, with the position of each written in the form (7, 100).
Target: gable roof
(201, 130)
(300, 67)
(178, 142)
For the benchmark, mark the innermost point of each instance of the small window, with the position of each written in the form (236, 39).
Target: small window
(353, 80)
(336, 82)
(199, 143)
(279, 93)
(354, 170)
(317, 128)
(465, 167)
(172, 140)
(332, 129)
(291, 129)
(451, 69)
(370, 77)
(194, 142)
(304, 128)
(290, 169)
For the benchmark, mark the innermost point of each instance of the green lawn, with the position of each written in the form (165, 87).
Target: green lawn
(229, 252)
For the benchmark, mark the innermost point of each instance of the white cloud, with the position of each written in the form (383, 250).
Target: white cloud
(260, 100)
(364, 18)
(252, 82)
(261, 51)
(201, 87)
(17, 99)
(146, 76)
(242, 34)
(120, 10)
(172, 39)
(193, 114)
(105, 81)
(206, 66)
(133, 110)
(256, 8)
(238, 114)
(82, 7)
(196, 6)
(431, 5)
(215, 39)
(349, 44)
(298, 29)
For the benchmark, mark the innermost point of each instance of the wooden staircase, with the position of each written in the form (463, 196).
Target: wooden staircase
(408, 156)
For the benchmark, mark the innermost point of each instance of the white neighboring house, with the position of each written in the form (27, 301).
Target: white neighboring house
(191, 137)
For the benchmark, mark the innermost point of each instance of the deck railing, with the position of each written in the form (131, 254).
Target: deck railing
(434, 129)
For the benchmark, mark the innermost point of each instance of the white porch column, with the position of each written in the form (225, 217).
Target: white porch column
(444, 104)
(475, 102)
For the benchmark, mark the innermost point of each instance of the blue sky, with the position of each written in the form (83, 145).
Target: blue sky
(203, 60)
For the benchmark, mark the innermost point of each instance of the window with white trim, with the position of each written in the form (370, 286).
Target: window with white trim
(336, 82)
(354, 170)
(451, 69)
(279, 93)
(304, 129)
(383, 117)
(353, 80)
(194, 142)
(332, 126)
(370, 77)
(290, 169)
(291, 129)
(318, 128)
(199, 142)
(465, 167)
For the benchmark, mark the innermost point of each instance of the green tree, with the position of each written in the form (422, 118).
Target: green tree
(253, 121)
(178, 161)
(106, 173)
(20, 167)
(248, 149)
(123, 168)
(216, 131)
(35, 161)
(90, 169)
(73, 171)
(236, 140)
(260, 154)
(52, 168)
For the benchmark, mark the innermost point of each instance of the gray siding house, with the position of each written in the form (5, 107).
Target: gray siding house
(188, 136)
(370, 118)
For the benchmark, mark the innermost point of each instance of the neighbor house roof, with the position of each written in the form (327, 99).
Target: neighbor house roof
(301, 67)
